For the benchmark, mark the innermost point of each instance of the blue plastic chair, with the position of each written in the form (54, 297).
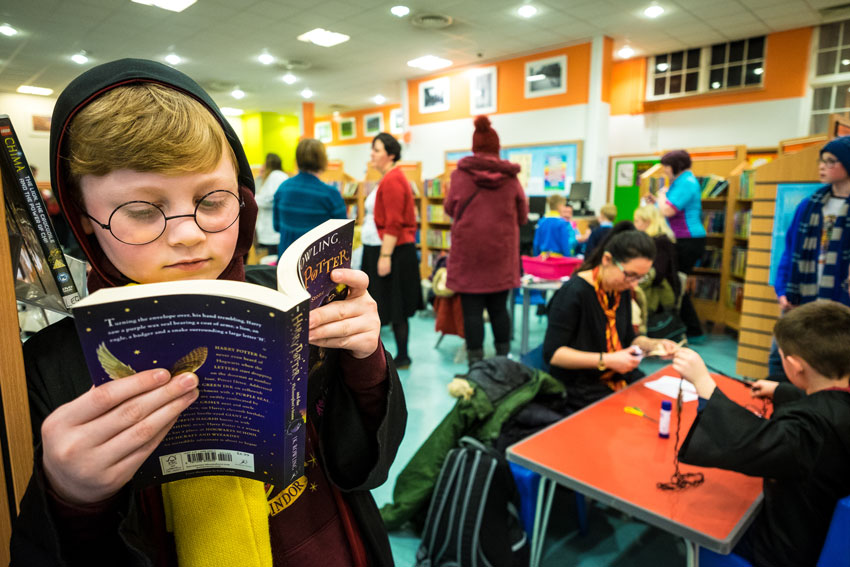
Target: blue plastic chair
(835, 552)
(527, 483)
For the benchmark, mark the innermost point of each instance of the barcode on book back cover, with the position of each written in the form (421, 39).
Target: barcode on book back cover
(206, 459)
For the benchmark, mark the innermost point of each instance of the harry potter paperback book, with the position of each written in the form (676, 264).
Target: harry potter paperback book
(248, 346)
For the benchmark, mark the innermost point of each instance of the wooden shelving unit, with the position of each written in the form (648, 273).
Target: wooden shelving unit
(433, 218)
(335, 175)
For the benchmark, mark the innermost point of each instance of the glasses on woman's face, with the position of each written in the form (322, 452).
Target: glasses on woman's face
(141, 222)
(630, 276)
(829, 162)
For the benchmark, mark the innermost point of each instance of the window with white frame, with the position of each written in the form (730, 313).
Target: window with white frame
(720, 67)
(831, 80)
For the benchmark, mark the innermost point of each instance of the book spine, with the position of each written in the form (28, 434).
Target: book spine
(17, 164)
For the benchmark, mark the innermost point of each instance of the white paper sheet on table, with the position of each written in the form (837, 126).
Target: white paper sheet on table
(669, 386)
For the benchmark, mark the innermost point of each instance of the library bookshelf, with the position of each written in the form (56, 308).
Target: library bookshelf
(350, 188)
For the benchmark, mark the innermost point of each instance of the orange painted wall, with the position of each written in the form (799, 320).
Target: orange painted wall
(785, 74)
(359, 124)
(510, 90)
(628, 86)
(308, 110)
(607, 64)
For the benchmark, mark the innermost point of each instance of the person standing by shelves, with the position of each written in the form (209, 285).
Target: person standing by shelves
(273, 175)
(389, 245)
(487, 205)
(682, 205)
(816, 259)
(304, 202)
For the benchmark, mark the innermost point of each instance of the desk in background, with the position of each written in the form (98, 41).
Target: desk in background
(526, 288)
(617, 459)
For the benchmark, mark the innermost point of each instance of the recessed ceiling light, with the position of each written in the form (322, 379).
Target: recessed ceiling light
(173, 59)
(265, 58)
(429, 62)
(653, 11)
(380, 99)
(8, 30)
(535, 78)
(27, 89)
(845, 61)
(625, 52)
(307, 93)
(170, 5)
(400, 11)
(662, 67)
(80, 58)
(237, 93)
(527, 11)
(758, 70)
(323, 37)
(715, 85)
(228, 111)
(289, 78)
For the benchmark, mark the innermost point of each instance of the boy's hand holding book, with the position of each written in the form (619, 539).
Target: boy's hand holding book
(691, 367)
(351, 324)
(94, 444)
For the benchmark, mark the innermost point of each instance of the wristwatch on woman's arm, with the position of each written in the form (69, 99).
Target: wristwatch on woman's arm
(601, 364)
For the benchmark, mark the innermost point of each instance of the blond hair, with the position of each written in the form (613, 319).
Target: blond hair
(148, 128)
(656, 223)
(555, 200)
(609, 211)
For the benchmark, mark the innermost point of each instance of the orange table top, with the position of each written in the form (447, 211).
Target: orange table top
(617, 458)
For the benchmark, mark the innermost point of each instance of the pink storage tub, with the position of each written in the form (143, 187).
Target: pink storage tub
(550, 268)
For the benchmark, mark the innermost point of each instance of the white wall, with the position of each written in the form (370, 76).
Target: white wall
(757, 124)
(36, 145)
(355, 158)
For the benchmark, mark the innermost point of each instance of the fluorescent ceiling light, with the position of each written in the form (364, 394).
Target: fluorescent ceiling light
(80, 58)
(265, 58)
(527, 11)
(662, 67)
(173, 59)
(400, 11)
(237, 93)
(27, 89)
(228, 111)
(380, 99)
(653, 11)
(535, 78)
(625, 52)
(323, 37)
(307, 93)
(758, 70)
(429, 63)
(171, 5)
(8, 30)
(289, 78)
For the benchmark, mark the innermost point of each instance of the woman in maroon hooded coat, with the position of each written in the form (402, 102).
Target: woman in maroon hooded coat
(487, 204)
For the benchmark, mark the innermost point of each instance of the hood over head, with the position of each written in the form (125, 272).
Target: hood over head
(89, 86)
(488, 172)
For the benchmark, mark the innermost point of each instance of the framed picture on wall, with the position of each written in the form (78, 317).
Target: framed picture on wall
(396, 121)
(324, 133)
(546, 77)
(347, 128)
(373, 124)
(482, 91)
(434, 95)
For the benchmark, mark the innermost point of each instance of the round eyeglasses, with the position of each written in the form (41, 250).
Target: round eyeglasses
(141, 222)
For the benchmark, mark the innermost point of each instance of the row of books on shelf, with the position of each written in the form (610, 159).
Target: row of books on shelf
(704, 287)
(438, 238)
(714, 221)
(738, 261)
(748, 184)
(434, 188)
(711, 258)
(436, 213)
(742, 223)
(736, 295)
(712, 186)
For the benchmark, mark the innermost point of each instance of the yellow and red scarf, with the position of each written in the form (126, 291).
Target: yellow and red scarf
(612, 337)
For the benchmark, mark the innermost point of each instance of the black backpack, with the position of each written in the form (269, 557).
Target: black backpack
(473, 519)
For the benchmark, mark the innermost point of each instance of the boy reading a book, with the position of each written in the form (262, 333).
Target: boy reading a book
(133, 140)
(802, 451)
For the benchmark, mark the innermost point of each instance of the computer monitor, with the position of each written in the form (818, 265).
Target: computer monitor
(537, 204)
(579, 191)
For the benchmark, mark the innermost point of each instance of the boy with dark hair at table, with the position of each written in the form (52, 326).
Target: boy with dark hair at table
(141, 146)
(802, 451)
(554, 235)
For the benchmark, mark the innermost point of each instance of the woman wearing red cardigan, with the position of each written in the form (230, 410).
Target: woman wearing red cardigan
(389, 245)
(487, 204)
